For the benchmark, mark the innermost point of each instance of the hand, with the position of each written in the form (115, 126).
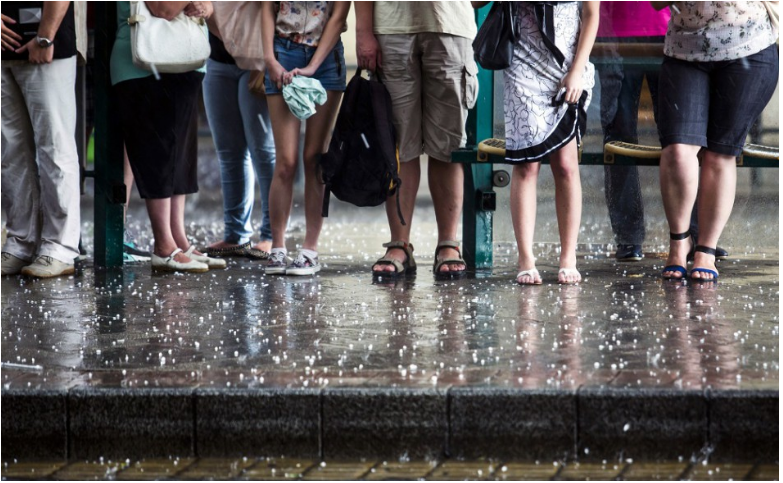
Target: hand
(276, 72)
(199, 9)
(308, 71)
(368, 52)
(572, 83)
(10, 39)
(37, 54)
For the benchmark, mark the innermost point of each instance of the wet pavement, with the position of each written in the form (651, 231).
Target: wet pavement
(234, 362)
(371, 470)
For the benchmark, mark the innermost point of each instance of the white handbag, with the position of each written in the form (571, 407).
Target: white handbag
(167, 46)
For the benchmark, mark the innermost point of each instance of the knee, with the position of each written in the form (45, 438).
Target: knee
(565, 171)
(526, 170)
(285, 171)
(679, 154)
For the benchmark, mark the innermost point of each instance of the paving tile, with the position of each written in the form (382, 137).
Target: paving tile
(384, 423)
(744, 425)
(30, 470)
(590, 472)
(338, 470)
(34, 424)
(408, 470)
(765, 473)
(518, 471)
(656, 471)
(512, 423)
(454, 470)
(138, 423)
(278, 469)
(90, 470)
(650, 424)
(216, 469)
(719, 472)
(155, 469)
(250, 422)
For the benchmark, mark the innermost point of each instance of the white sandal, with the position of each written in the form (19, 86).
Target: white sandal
(532, 273)
(210, 262)
(567, 272)
(170, 265)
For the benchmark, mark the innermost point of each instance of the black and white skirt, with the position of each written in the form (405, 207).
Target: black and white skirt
(536, 123)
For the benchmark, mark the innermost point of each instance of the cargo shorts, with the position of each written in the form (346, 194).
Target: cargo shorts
(431, 78)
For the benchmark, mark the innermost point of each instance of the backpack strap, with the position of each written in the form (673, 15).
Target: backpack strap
(327, 198)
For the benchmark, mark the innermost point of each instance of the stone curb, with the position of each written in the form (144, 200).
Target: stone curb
(592, 423)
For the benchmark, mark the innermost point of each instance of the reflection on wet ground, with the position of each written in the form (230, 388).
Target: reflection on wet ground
(304, 469)
(237, 327)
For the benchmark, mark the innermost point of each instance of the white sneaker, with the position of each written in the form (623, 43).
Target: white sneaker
(170, 265)
(211, 262)
(304, 265)
(47, 267)
(12, 265)
(276, 263)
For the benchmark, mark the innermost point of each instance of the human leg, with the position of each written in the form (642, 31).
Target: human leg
(261, 144)
(568, 205)
(410, 177)
(524, 181)
(20, 188)
(285, 127)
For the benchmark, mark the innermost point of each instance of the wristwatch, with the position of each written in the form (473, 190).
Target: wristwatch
(43, 42)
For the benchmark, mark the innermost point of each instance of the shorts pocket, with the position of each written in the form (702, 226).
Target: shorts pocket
(469, 85)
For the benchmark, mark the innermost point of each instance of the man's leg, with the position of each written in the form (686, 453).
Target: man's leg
(410, 175)
(446, 181)
(21, 195)
(49, 93)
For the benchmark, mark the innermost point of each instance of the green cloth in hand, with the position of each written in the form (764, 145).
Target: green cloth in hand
(302, 94)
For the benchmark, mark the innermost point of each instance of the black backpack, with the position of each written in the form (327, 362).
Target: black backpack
(362, 165)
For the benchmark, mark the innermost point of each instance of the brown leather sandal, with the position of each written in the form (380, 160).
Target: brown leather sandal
(451, 274)
(401, 269)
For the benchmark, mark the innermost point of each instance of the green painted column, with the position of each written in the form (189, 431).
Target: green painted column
(109, 185)
(476, 214)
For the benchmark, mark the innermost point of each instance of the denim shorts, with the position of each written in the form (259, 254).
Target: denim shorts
(714, 104)
(292, 55)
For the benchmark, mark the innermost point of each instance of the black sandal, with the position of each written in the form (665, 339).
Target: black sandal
(714, 273)
(401, 269)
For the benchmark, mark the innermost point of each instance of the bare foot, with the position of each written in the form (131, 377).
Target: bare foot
(264, 246)
(678, 255)
(445, 253)
(569, 276)
(529, 276)
(394, 254)
(703, 260)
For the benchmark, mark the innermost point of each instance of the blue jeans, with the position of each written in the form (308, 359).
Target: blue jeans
(243, 139)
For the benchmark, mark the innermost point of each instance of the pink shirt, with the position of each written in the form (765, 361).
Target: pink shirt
(632, 19)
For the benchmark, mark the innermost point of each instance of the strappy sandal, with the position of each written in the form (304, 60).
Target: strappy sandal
(532, 273)
(566, 272)
(714, 273)
(401, 269)
(237, 251)
(676, 268)
(451, 274)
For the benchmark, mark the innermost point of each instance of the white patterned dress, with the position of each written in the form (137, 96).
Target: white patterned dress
(534, 126)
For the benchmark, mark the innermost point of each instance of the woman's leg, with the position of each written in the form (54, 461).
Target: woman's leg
(679, 184)
(524, 180)
(718, 179)
(160, 213)
(285, 127)
(319, 129)
(568, 205)
(222, 100)
(261, 144)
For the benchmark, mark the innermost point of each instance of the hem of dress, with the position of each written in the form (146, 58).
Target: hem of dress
(573, 123)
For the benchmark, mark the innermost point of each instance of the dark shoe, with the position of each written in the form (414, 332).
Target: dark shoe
(720, 254)
(234, 251)
(629, 253)
(709, 271)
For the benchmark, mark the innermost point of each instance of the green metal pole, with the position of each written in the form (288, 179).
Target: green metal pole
(476, 215)
(109, 185)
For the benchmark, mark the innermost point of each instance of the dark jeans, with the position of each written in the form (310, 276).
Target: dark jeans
(620, 90)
